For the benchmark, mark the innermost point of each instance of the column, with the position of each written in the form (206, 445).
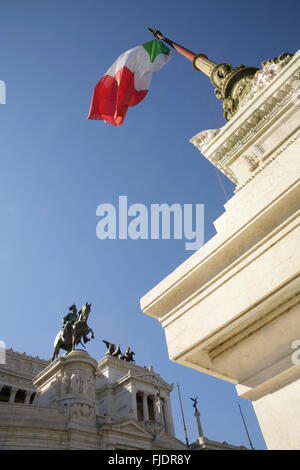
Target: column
(145, 407)
(200, 430)
(13, 394)
(133, 400)
(109, 401)
(169, 416)
(28, 394)
(164, 418)
(203, 64)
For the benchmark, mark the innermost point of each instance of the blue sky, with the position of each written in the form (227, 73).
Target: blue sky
(57, 167)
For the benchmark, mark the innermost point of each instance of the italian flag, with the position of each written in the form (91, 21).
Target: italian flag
(127, 81)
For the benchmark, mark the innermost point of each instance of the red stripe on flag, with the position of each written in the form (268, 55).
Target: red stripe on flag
(113, 95)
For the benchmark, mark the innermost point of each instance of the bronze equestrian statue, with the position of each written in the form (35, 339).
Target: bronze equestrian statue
(74, 329)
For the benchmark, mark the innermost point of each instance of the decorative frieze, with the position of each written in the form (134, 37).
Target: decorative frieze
(241, 148)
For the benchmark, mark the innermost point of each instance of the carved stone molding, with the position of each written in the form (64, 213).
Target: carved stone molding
(262, 78)
(267, 162)
(252, 160)
(232, 85)
(272, 95)
(155, 427)
(255, 122)
(202, 140)
(82, 411)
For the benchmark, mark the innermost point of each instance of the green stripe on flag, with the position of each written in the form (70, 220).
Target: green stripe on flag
(154, 48)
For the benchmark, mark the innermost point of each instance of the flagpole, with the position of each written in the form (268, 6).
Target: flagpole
(252, 448)
(200, 61)
(184, 426)
(182, 50)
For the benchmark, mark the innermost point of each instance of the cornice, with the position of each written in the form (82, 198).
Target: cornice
(271, 98)
(131, 372)
(25, 356)
(222, 151)
(75, 356)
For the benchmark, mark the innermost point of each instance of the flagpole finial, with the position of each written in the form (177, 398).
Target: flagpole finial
(155, 32)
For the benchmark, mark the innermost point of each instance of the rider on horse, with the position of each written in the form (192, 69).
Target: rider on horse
(74, 329)
(70, 318)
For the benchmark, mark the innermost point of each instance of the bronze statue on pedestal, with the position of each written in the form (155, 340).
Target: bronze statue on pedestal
(75, 328)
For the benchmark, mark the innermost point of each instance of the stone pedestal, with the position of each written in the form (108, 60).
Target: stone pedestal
(69, 382)
(232, 309)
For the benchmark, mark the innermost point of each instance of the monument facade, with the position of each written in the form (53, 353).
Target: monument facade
(232, 309)
(76, 402)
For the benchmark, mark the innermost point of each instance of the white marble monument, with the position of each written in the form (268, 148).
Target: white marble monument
(232, 309)
(76, 402)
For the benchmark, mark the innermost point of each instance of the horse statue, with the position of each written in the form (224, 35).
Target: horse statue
(74, 329)
(128, 356)
(112, 349)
